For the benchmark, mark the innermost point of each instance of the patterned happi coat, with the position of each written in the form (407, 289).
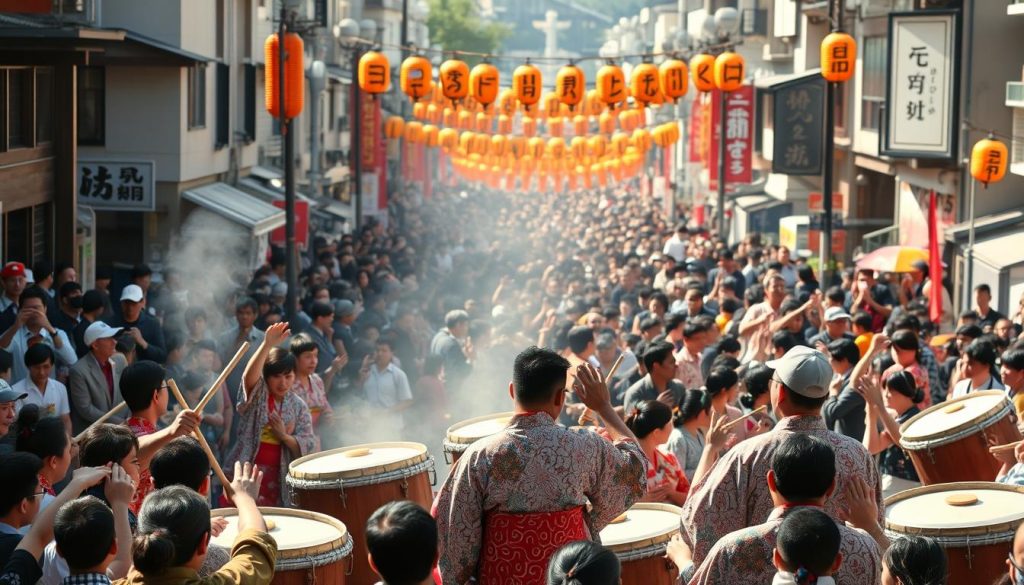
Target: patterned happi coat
(734, 495)
(744, 557)
(532, 466)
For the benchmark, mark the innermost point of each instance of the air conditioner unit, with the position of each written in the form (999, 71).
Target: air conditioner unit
(777, 49)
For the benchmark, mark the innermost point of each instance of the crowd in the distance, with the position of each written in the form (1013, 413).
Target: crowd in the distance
(414, 323)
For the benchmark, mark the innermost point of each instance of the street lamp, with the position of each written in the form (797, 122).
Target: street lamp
(349, 35)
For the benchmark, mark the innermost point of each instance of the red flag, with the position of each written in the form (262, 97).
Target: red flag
(934, 261)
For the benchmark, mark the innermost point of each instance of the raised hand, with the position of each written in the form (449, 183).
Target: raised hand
(277, 333)
(247, 480)
(590, 388)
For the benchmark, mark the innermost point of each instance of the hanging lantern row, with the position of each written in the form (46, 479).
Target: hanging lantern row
(649, 84)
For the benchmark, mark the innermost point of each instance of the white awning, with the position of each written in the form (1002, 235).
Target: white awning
(772, 81)
(1002, 251)
(237, 206)
(339, 209)
(265, 193)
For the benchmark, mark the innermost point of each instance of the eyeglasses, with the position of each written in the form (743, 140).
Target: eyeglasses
(36, 495)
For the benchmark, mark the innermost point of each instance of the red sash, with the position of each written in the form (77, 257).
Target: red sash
(517, 547)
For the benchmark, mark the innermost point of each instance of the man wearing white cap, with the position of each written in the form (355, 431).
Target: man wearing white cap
(94, 384)
(145, 329)
(836, 326)
(735, 495)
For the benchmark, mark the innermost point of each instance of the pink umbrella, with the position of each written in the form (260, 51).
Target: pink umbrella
(892, 259)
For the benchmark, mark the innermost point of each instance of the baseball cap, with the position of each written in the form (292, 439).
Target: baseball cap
(344, 308)
(132, 292)
(12, 269)
(836, 313)
(804, 370)
(9, 395)
(99, 330)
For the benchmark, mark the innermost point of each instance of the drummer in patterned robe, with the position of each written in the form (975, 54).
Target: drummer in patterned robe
(734, 495)
(803, 474)
(274, 424)
(515, 497)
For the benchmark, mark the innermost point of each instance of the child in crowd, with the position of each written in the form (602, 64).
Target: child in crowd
(401, 538)
(807, 549)
(19, 498)
(274, 424)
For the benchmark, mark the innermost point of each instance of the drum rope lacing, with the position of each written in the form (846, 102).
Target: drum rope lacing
(319, 560)
(958, 541)
(646, 552)
(340, 484)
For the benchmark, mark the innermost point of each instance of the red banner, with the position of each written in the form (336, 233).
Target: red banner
(739, 133)
(277, 236)
(696, 129)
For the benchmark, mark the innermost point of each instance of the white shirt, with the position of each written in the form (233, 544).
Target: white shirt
(388, 388)
(55, 568)
(676, 248)
(52, 401)
(786, 578)
(963, 387)
(19, 345)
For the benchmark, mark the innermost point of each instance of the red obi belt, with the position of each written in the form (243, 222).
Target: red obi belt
(517, 547)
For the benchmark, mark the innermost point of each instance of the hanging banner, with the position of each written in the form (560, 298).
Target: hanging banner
(696, 129)
(798, 125)
(739, 127)
(921, 93)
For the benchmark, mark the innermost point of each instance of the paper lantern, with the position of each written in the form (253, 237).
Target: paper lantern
(449, 117)
(611, 85)
(517, 146)
(466, 142)
(483, 122)
(570, 86)
(448, 138)
(606, 122)
(535, 147)
(579, 147)
(730, 70)
(838, 57)
(394, 127)
(414, 132)
(430, 135)
(483, 84)
(415, 76)
(619, 143)
(294, 72)
(419, 110)
(580, 125)
(529, 127)
(988, 160)
(504, 124)
(674, 79)
(641, 139)
(702, 68)
(592, 104)
(465, 120)
(556, 126)
(552, 104)
(526, 83)
(507, 102)
(499, 145)
(597, 145)
(644, 83)
(454, 78)
(374, 73)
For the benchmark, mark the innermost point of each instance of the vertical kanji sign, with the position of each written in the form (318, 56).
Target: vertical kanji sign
(739, 128)
(921, 98)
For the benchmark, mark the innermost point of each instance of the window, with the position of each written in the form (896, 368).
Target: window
(44, 104)
(91, 106)
(873, 84)
(249, 113)
(20, 106)
(197, 96)
(223, 105)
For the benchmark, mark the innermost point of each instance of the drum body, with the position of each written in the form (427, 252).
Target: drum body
(312, 548)
(463, 434)
(949, 442)
(352, 482)
(640, 541)
(976, 534)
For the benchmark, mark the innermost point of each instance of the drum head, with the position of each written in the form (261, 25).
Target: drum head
(299, 534)
(474, 429)
(946, 418)
(358, 461)
(645, 525)
(933, 510)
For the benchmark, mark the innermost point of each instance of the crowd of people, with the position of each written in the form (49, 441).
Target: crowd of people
(644, 362)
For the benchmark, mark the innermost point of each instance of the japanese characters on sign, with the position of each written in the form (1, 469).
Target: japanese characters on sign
(922, 85)
(798, 125)
(117, 185)
(739, 127)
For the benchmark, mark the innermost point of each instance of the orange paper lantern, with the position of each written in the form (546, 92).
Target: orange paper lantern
(483, 84)
(570, 86)
(454, 78)
(730, 70)
(526, 83)
(293, 75)
(838, 57)
(674, 79)
(414, 132)
(415, 77)
(394, 127)
(988, 160)
(611, 85)
(702, 67)
(644, 83)
(430, 135)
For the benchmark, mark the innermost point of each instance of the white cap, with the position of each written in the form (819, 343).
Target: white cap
(803, 370)
(836, 313)
(99, 330)
(132, 292)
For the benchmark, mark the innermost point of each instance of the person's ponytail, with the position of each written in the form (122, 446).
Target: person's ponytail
(583, 563)
(153, 553)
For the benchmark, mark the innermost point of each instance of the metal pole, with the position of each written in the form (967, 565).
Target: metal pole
(825, 249)
(969, 252)
(720, 211)
(405, 27)
(289, 174)
(355, 143)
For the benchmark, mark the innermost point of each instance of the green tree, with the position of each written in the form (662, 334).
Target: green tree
(455, 25)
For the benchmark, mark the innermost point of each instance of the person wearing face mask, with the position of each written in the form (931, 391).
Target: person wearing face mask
(68, 313)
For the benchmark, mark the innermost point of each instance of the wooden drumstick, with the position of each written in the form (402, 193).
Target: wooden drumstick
(198, 434)
(99, 421)
(1006, 447)
(223, 376)
(588, 415)
(729, 424)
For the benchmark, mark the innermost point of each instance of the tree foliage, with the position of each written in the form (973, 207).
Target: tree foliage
(456, 26)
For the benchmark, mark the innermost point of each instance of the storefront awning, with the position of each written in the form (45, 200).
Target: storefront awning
(335, 73)
(263, 192)
(237, 206)
(338, 209)
(1002, 251)
(773, 82)
(988, 224)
